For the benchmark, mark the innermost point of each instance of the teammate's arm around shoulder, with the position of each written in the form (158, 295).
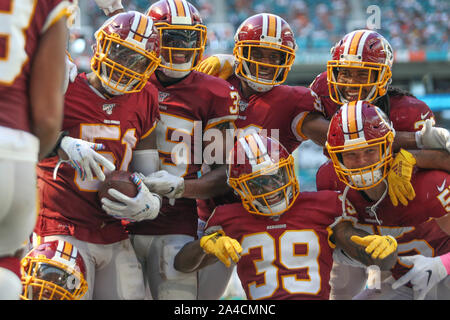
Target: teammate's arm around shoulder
(364, 247)
(46, 86)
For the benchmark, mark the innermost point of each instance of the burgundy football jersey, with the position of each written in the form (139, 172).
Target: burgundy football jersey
(407, 113)
(24, 21)
(432, 199)
(427, 239)
(188, 108)
(70, 205)
(280, 112)
(285, 258)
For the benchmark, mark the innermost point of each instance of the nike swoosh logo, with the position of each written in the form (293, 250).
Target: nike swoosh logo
(423, 116)
(171, 189)
(429, 275)
(441, 188)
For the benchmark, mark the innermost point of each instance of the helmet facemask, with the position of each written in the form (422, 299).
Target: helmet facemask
(263, 76)
(269, 191)
(122, 66)
(378, 77)
(45, 279)
(367, 176)
(182, 48)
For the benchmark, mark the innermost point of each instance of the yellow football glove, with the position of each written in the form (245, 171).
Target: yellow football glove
(399, 178)
(218, 65)
(378, 246)
(222, 247)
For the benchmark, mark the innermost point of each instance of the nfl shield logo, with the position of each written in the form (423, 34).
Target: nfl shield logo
(108, 107)
(162, 96)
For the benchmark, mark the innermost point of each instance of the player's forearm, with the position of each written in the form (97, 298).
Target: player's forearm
(190, 257)
(405, 140)
(46, 84)
(432, 159)
(342, 233)
(210, 185)
(315, 127)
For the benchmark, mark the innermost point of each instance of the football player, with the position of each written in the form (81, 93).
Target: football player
(32, 68)
(427, 271)
(281, 239)
(191, 104)
(54, 270)
(265, 50)
(360, 143)
(109, 113)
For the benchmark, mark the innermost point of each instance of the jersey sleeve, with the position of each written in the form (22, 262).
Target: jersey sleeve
(58, 9)
(409, 113)
(326, 178)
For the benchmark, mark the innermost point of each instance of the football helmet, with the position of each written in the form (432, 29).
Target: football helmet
(358, 127)
(364, 51)
(262, 172)
(53, 270)
(182, 35)
(264, 50)
(126, 52)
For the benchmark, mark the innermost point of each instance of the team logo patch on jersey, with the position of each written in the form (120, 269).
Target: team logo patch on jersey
(162, 96)
(242, 105)
(109, 107)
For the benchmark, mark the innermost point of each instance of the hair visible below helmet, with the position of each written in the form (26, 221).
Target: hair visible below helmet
(262, 172)
(355, 126)
(53, 270)
(126, 52)
(361, 50)
(182, 36)
(266, 31)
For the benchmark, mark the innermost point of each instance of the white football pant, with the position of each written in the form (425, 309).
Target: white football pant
(157, 254)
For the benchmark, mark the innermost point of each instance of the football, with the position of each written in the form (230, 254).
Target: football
(119, 180)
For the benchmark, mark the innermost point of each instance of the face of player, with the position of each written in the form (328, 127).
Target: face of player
(178, 40)
(355, 76)
(265, 56)
(361, 158)
(267, 183)
(127, 58)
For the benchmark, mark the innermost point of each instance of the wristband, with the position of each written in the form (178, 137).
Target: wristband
(54, 152)
(446, 261)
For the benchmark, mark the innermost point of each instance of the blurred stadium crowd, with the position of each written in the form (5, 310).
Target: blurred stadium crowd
(408, 25)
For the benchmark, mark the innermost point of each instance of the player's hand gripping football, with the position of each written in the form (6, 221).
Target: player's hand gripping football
(379, 247)
(223, 247)
(218, 65)
(84, 158)
(431, 137)
(423, 276)
(165, 184)
(145, 206)
(399, 178)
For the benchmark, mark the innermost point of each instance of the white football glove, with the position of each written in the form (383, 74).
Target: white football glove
(433, 137)
(71, 72)
(165, 184)
(423, 276)
(84, 158)
(145, 206)
(109, 6)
